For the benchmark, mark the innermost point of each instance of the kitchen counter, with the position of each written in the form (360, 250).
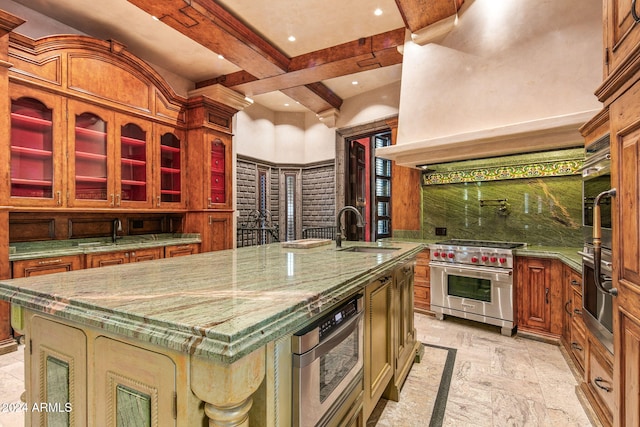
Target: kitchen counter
(569, 256)
(57, 248)
(214, 311)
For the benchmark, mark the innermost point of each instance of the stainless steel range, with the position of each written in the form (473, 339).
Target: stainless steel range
(473, 279)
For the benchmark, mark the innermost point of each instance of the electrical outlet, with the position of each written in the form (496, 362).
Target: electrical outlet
(441, 231)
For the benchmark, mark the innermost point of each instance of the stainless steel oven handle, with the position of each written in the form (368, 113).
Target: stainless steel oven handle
(597, 241)
(490, 270)
(300, 361)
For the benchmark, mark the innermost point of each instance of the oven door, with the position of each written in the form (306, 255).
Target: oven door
(597, 306)
(323, 377)
(483, 291)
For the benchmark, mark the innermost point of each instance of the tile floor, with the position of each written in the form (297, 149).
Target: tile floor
(496, 381)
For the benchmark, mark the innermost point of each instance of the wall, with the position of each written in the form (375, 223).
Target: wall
(506, 62)
(536, 199)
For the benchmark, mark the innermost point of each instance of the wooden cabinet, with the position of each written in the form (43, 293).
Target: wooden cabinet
(123, 257)
(598, 387)
(181, 250)
(378, 356)
(215, 228)
(573, 331)
(422, 283)
(36, 159)
(134, 386)
(170, 161)
(56, 372)
(403, 330)
(110, 158)
(622, 34)
(539, 289)
(40, 266)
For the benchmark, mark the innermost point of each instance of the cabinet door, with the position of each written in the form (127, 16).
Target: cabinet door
(91, 155)
(146, 254)
(134, 386)
(535, 307)
(422, 282)
(181, 250)
(133, 173)
(38, 267)
(404, 315)
(57, 374)
(36, 157)
(378, 356)
(106, 259)
(622, 34)
(218, 157)
(170, 160)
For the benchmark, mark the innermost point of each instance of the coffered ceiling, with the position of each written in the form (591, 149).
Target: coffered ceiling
(245, 45)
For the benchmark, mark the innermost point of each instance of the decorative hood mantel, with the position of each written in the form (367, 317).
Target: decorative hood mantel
(538, 135)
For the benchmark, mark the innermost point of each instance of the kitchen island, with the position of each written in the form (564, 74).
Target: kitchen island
(176, 341)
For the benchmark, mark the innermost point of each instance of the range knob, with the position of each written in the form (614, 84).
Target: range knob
(474, 259)
(451, 255)
(436, 254)
(502, 260)
(485, 258)
(493, 259)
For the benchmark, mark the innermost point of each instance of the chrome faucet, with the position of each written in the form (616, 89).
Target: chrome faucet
(360, 223)
(117, 226)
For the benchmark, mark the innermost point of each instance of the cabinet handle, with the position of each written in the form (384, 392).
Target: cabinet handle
(158, 197)
(575, 282)
(577, 311)
(576, 346)
(634, 14)
(598, 380)
(385, 280)
(209, 200)
(126, 254)
(546, 295)
(51, 261)
(59, 197)
(566, 308)
(118, 199)
(112, 197)
(133, 254)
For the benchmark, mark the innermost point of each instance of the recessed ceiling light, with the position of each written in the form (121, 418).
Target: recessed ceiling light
(286, 104)
(355, 82)
(291, 38)
(377, 12)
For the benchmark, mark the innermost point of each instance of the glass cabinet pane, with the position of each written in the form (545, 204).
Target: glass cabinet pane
(90, 157)
(133, 157)
(31, 149)
(170, 168)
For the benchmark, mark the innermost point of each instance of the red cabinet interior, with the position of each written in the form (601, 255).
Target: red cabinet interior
(217, 172)
(170, 168)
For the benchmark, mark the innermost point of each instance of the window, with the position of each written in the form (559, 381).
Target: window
(382, 189)
(290, 206)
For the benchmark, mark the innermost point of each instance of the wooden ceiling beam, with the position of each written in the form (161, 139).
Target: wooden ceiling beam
(352, 57)
(418, 14)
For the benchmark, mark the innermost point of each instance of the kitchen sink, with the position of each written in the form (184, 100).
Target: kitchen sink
(368, 249)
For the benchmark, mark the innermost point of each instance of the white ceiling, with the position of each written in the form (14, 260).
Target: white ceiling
(316, 24)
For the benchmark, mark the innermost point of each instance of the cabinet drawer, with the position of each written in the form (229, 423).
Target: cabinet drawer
(422, 297)
(38, 267)
(578, 343)
(422, 273)
(180, 250)
(601, 380)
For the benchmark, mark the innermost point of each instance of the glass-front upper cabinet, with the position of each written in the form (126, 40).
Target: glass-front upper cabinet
(169, 191)
(35, 160)
(109, 158)
(133, 175)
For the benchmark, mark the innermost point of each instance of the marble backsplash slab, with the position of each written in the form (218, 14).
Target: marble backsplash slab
(539, 211)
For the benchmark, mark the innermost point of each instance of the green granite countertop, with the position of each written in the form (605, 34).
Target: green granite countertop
(56, 248)
(569, 256)
(220, 305)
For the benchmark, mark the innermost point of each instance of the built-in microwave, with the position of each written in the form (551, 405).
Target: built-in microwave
(596, 178)
(597, 304)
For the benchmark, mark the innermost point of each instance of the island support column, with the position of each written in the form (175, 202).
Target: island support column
(226, 389)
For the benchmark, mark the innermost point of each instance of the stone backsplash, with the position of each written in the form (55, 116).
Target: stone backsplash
(534, 198)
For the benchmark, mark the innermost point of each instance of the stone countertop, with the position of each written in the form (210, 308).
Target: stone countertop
(569, 256)
(218, 305)
(57, 248)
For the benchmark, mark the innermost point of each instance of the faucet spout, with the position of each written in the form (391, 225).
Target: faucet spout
(359, 223)
(117, 226)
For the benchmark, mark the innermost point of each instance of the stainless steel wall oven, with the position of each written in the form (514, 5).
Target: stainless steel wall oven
(328, 366)
(597, 257)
